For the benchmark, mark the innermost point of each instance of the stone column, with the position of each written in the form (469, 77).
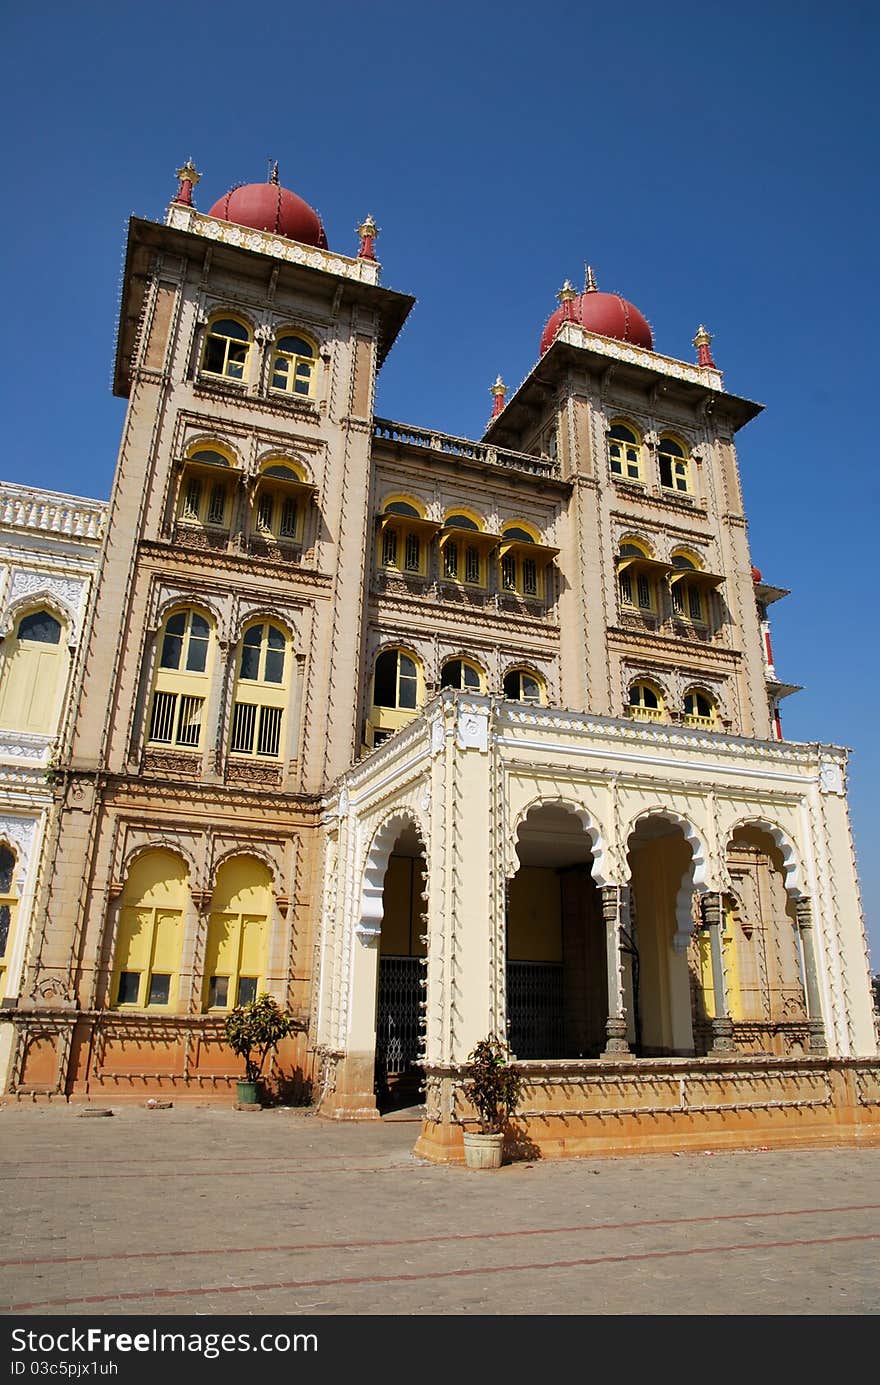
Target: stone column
(722, 1025)
(818, 1042)
(615, 1025)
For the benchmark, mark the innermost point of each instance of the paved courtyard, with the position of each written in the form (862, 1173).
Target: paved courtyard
(210, 1210)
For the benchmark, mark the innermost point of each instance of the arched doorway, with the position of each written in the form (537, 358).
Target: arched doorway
(557, 977)
(399, 1079)
(661, 863)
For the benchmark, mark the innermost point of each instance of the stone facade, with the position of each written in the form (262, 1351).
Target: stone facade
(433, 737)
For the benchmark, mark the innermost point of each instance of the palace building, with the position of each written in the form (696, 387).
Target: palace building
(431, 738)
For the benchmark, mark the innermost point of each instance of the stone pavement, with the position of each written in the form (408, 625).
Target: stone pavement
(212, 1210)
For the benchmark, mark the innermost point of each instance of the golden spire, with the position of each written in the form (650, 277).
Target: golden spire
(590, 285)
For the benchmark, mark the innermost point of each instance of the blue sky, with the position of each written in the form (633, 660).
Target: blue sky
(714, 163)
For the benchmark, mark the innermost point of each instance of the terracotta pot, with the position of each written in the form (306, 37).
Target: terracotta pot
(483, 1151)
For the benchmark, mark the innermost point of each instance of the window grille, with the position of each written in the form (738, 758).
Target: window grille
(472, 565)
(288, 519)
(389, 548)
(162, 719)
(189, 725)
(450, 560)
(244, 719)
(626, 591)
(264, 512)
(644, 591)
(696, 605)
(217, 507)
(270, 731)
(508, 573)
(530, 577)
(192, 499)
(413, 553)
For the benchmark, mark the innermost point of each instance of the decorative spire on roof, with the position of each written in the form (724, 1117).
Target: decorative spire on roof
(273, 172)
(590, 285)
(187, 178)
(566, 295)
(368, 231)
(702, 342)
(499, 396)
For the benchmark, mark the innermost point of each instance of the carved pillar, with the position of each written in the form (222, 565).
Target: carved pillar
(615, 1025)
(722, 1025)
(818, 1042)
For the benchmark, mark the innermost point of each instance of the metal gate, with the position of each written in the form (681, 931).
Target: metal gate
(397, 1020)
(536, 1009)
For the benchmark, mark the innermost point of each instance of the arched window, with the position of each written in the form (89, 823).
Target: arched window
(699, 709)
(35, 663)
(294, 361)
(206, 489)
(226, 350)
(396, 695)
(687, 598)
(461, 673)
(645, 702)
(8, 912)
(691, 588)
(463, 549)
(522, 561)
(521, 685)
(280, 503)
(637, 576)
(674, 465)
(236, 954)
(181, 683)
(404, 538)
(624, 452)
(261, 692)
(148, 947)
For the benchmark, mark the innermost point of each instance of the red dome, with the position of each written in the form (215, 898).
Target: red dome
(605, 313)
(270, 207)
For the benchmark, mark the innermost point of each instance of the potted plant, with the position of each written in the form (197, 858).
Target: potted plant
(252, 1031)
(494, 1089)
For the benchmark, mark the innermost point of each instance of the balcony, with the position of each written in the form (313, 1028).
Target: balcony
(446, 445)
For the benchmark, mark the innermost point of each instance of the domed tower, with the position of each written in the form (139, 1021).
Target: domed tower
(270, 207)
(606, 314)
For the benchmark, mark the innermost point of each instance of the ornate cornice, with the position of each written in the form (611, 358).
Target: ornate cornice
(268, 243)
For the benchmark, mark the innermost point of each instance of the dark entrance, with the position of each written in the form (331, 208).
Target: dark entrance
(399, 1080)
(557, 988)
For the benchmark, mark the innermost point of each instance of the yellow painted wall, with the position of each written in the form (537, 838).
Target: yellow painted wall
(658, 866)
(238, 925)
(32, 682)
(534, 919)
(151, 923)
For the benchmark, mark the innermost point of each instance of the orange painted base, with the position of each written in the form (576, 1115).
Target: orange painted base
(665, 1106)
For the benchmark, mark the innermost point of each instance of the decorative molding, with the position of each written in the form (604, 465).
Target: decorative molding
(267, 243)
(19, 832)
(19, 745)
(831, 777)
(472, 730)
